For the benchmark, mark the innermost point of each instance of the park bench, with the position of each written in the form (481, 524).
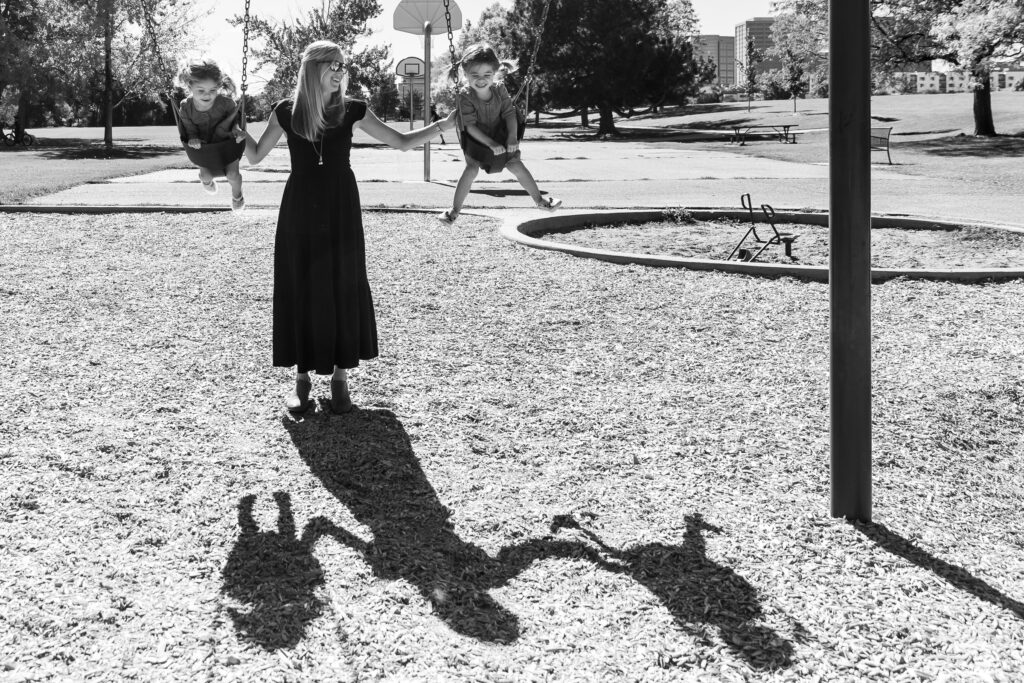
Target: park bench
(880, 141)
(778, 130)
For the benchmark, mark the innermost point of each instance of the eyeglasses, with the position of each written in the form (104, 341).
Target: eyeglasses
(335, 65)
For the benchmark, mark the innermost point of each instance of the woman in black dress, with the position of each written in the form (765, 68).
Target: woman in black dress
(323, 310)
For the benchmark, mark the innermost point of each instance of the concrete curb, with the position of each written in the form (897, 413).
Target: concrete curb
(157, 208)
(518, 230)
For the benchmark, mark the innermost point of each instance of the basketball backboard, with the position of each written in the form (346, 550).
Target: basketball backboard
(410, 66)
(411, 15)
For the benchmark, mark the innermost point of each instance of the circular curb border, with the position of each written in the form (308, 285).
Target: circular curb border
(170, 208)
(518, 230)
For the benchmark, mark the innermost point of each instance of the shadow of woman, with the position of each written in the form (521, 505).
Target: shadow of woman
(365, 459)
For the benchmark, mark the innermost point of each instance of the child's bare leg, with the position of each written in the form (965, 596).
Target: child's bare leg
(234, 177)
(465, 182)
(525, 178)
(205, 175)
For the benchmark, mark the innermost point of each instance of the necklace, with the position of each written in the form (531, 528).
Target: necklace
(319, 152)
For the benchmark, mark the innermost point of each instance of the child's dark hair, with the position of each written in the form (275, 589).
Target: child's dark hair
(203, 70)
(480, 53)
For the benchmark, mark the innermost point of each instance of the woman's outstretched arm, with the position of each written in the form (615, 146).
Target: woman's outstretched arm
(256, 151)
(403, 141)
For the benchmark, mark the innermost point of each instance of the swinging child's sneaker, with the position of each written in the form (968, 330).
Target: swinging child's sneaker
(238, 204)
(210, 187)
(447, 217)
(549, 203)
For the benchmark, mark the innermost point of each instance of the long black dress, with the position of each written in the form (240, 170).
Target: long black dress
(323, 309)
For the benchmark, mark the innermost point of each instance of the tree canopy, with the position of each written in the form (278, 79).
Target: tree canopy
(280, 43)
(613, 55)
(973, 35)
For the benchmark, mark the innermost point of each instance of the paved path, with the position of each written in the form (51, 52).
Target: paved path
(585, 175)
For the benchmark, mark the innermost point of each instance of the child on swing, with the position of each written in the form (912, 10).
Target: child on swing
(208, 115)
(488, 115)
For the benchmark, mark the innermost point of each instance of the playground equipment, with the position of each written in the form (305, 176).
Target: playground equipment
(212, 155)
(783, 238)
(489, 161)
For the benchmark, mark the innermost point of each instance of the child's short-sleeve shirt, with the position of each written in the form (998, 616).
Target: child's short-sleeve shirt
(212, 125)
(485, 115)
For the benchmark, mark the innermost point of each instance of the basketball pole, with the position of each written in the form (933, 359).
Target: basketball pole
(426, 99)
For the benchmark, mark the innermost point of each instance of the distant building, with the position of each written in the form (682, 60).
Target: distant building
(761, 30)
(956, 81)
(722, 51)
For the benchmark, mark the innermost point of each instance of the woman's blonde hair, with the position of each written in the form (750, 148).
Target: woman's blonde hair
(311, 112)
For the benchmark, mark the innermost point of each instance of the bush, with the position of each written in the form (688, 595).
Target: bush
(773, 86)
(709, 94)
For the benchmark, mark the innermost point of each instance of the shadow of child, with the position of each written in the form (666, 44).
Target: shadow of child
(275, 576)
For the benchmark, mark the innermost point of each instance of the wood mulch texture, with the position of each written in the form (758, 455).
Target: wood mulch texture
(559, 469)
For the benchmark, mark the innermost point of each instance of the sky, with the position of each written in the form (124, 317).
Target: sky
(223, 42)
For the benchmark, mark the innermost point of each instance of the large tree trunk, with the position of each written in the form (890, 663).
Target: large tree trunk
(108, 77)
(607, 125)
(585, 117)
(983, 124)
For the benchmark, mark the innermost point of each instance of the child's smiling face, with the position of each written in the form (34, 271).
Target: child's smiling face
(203, 93)
(480, 76)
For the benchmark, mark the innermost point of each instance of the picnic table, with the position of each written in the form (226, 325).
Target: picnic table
(779, 130)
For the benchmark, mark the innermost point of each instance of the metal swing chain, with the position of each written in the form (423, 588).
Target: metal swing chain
(451, 52)
(536, 50)
(451, 33)
(148, 13)
(245, 63)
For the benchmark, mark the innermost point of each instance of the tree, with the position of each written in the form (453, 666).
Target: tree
(977, 33)
(793, 75)
(340, 21)
(748, 67)
(611, 55)
(92, 54)
(800, 43)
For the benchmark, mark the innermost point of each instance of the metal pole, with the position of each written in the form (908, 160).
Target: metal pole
(850, 256)
(412, 91)
(426, 99)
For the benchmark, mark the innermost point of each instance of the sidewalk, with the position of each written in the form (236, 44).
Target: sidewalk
(588, 175)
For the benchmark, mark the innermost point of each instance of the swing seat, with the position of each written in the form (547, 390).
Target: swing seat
(214, 156)
(482, 154)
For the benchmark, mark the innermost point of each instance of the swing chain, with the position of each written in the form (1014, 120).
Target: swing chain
(536, 50)
(451, 33)
(245, 50)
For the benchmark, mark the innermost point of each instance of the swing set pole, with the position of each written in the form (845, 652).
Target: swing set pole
(850, 256)
(426, 99)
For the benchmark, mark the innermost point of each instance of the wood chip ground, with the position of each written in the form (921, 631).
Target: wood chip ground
(559, 469)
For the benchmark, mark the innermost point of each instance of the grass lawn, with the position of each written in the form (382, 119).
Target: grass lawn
(559, 470)
(932, 134)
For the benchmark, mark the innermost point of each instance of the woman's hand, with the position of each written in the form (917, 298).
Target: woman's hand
(195, 143)
(238, 133)
(448, 122)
